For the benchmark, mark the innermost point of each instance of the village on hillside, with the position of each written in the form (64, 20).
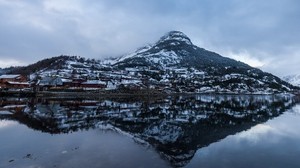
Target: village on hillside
(129, 78)
(77, 74)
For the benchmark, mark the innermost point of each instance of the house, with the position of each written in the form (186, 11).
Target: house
(132, 71)
(93, 85)
(198, 74)
(4, 79)
(111, 85)
(76, 82)
(10, 84)
(13, 78)
(181, 71)
(130, 83)
(49, 82)
(16, 85)
(67, 82)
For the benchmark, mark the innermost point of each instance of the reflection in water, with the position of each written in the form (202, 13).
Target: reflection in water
(4, 124)
(175, 126)
(273, 144)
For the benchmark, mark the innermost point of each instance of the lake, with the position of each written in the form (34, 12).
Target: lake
(174, 131)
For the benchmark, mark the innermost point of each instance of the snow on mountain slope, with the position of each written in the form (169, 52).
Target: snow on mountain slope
(67, 67)
(158, 54)
(292, 79)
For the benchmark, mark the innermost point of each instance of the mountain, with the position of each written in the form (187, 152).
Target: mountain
(292, 79)
(172, 64)
(175, 51)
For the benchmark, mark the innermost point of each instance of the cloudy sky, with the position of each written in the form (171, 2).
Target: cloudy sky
(264, 34)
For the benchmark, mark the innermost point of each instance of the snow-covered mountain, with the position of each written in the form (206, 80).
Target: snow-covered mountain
(164, 53)
(184, 64)
(293, 79)
(176, 49)
(172, 64)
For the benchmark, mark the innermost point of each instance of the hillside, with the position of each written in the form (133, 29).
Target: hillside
(43, 65)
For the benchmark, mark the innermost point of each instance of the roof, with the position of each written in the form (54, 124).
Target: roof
(9, 76)
(66, 80)
(94, 82)
(18, 83)
(51, 81)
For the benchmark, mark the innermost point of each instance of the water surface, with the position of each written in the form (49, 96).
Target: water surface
(181, 131)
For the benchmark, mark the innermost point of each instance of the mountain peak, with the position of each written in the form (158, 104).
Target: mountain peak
(175, 36)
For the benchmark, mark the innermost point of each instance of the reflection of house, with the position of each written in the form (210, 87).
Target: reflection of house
(12, 105)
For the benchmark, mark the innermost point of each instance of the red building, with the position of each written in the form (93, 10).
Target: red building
(13, 80)
(93, 84)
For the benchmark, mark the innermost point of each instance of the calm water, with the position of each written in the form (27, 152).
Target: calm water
(183, 131)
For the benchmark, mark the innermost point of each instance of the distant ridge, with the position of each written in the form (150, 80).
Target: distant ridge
(293, 79)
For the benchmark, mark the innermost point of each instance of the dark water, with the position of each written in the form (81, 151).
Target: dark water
(183, 131)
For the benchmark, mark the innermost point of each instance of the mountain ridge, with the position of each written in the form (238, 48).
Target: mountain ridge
(292, 79)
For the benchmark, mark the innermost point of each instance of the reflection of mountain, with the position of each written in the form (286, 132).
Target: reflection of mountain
(175, 126)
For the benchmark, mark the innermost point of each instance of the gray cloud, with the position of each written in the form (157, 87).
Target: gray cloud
(264, 33)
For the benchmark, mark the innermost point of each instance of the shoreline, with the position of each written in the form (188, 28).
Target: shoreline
(116, 94)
